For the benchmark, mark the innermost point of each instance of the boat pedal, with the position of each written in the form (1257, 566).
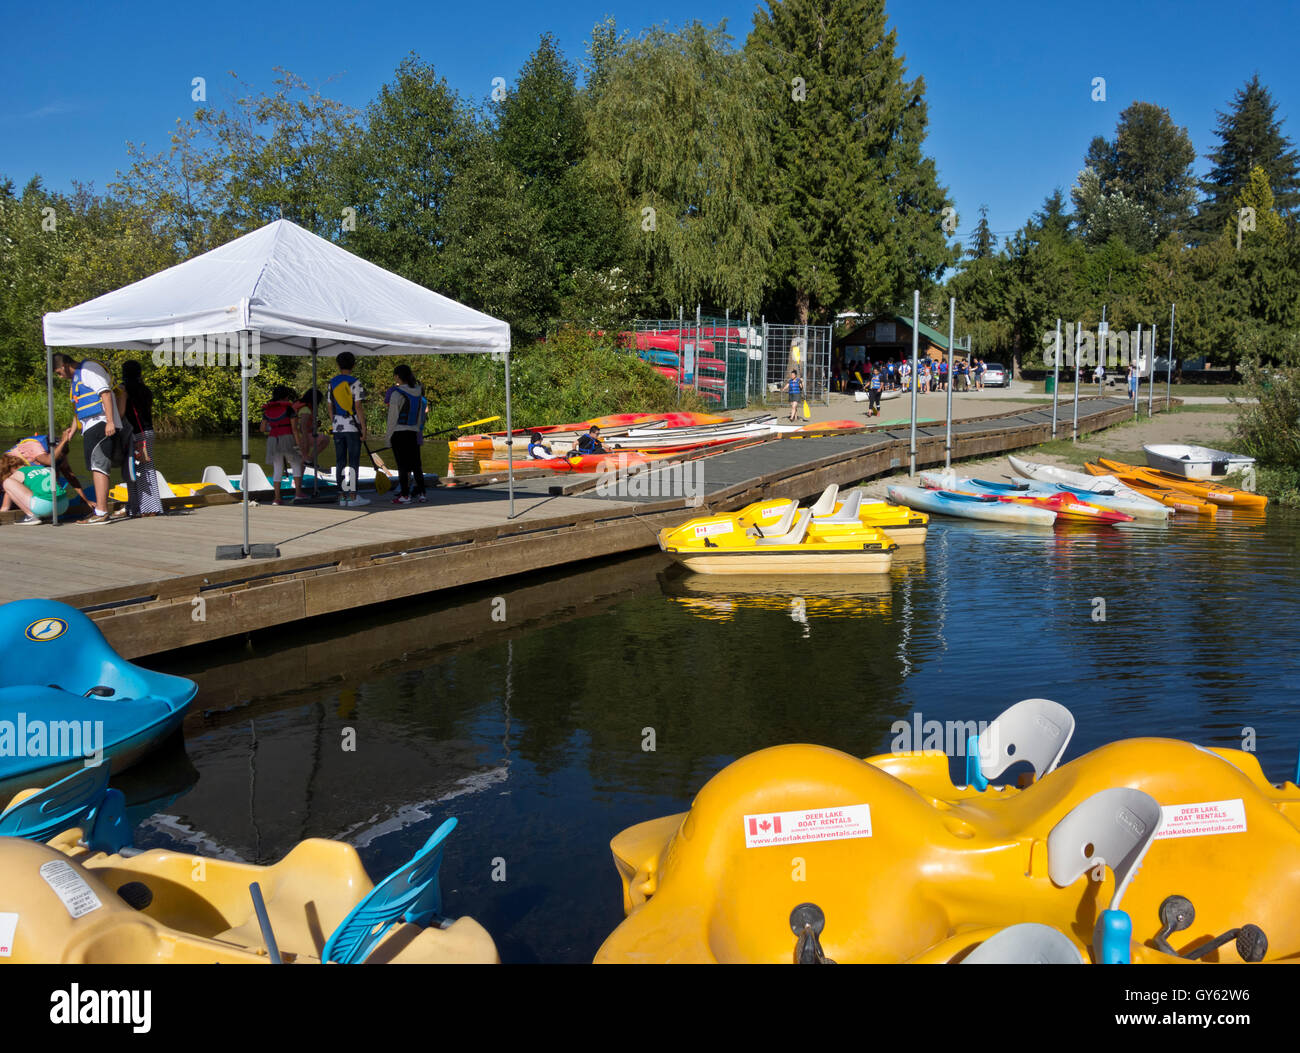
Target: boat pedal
(100, 691)
(136, 895)
(807, 921)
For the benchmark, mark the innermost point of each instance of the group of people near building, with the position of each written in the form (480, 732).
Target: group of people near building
(117, 432)
(932, 375)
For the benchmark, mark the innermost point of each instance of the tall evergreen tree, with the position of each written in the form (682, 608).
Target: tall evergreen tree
(855, 201)
(1250, 136)
(983, 241)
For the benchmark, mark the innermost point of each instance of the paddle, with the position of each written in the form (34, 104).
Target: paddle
(382, 483)
(461, 427)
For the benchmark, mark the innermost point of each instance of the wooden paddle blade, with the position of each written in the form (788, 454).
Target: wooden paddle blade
(382, 483)
(807, 413)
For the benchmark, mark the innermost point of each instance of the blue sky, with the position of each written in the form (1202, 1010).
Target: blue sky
(1008, 84)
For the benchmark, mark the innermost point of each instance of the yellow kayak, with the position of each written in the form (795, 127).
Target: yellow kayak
(832, 517)
(1218, 493)
(798, 840)
(721, 545)
(1179, 500)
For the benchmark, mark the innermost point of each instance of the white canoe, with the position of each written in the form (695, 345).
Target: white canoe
(967, 506)
(885, 396)
(1118, 496)
(1195, 462)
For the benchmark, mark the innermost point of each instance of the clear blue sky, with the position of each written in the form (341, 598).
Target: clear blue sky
(1008, 84)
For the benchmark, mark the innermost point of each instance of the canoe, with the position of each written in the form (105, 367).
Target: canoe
(1217, 493)
(885, 396)
(718, 545)
(1105, 489)
(78, 903)
(69, 698)
(890, 875)
(1195, 462)
(1064, 503)
(833, 517)
(970, 506)
(1178, 500)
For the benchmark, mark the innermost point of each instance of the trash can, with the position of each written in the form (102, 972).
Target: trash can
(1049, 385)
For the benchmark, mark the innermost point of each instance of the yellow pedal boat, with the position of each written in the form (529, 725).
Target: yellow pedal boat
(720, 545)
(832, 517)
(804, 839)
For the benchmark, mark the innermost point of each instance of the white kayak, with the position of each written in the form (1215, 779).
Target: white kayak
(1104, 490)
(885, 396)
(1195, 462)
(970, 506)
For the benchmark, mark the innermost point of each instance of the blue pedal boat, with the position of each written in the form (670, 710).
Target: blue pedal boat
(67, 697)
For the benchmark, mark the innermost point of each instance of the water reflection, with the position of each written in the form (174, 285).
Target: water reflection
(719, 597)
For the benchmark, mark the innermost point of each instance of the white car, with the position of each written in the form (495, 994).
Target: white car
(995, 375)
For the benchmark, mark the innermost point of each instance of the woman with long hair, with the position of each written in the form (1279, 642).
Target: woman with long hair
(137, 411)
(15, 488)
(407, 410)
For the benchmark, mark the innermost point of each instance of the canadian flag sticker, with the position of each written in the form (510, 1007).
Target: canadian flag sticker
(817, 824)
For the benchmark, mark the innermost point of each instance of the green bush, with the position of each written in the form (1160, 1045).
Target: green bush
(1268, 428)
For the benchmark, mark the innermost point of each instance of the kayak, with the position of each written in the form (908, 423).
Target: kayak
(719, 545)
(1178, 500)
(1064, 503)
(1104, 490)
(69, 699)
(577, 462)
(971, 506)
(1217, 493)
(74, 903)
(1195, 462)
(833, 517)
(677, 419)
(893, 873)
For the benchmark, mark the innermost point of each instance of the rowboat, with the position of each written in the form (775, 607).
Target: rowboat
(1217, 493)
(1195, 462)
(1178, 500)
(1104, 490)
(893, 872)
(83, 896)
(970, 506)
(69, 699)
(832, 517)
(719, 545)
(1064, 503)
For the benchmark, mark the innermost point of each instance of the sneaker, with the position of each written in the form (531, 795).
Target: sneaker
(29, 521)
(96, 519)
(401, 499)
(358, 500)
(422, 498)
(121, 513)
(343, 500)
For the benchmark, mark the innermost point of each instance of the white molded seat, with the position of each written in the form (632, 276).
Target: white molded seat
(794, 537)
(1036, 730)
(1026, 944)
(255, 478)
(215, 475)
(1113, 828)
(825, 504)
(164, 490)
(781, 526)
(850, 510)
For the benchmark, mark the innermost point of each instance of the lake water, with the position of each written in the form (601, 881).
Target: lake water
(530, 730)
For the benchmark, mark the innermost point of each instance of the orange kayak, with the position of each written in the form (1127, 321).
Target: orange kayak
(1179, 500)
(578, 462)
(1218, 493)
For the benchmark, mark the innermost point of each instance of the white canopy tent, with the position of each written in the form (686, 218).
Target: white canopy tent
(280, 290)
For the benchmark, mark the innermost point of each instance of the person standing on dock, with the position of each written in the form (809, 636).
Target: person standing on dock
(138, 411)
(795, 389)
(106, 440)
(347, 415)
(406, 404)
(873, 397)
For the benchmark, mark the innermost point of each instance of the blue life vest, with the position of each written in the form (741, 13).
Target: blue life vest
(85, 400)
(340, 388)
(875, 382)
(793, 385)
(413, 411)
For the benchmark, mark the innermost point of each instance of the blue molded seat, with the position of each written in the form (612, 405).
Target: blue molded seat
(81, 799)
(410, 894)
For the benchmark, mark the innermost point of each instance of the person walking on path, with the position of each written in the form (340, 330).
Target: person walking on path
(349, 426)
(406, 413)
(138, 411)
(106, 439)
(795, 389)
(873, 398)
(1132, 381)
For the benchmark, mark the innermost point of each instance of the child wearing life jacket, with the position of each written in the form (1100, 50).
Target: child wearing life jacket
(407, 409)
(278, 418)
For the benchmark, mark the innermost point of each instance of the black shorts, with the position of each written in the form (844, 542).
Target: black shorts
(104, 451)
(873, 397)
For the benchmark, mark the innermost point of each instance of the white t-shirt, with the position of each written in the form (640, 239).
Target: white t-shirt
(96, 377)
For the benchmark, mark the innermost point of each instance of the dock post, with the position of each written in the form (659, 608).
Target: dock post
(1152, 365)
(916, 320)
(1169, 372)
(1056, 374)
(1078, 344)
(952, 328)
(315, 420)
(1151, 381)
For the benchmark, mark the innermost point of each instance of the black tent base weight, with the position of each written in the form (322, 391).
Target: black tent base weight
(255, 551)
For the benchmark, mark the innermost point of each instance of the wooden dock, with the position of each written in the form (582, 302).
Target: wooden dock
(154, 585)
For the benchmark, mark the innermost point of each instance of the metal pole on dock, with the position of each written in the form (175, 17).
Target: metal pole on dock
(49, 435)
(315, 468)
(1078, 343)
(1056, 374)
(510, 441)
(1151, 380)
(1169, 371)
(916, 320)
(952, 327)
(1138, 358)
(243, 437)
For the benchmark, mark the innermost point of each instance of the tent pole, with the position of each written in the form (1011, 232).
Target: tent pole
(510, 440)
(315, 468)
(243, 426)
(952, 329)
(49, 409)
(916, 318)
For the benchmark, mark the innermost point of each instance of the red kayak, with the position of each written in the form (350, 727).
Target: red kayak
(1067, 506)
(579, 462)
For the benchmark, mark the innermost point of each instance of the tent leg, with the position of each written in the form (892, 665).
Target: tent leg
(49, 409)
(315, 468)
(510, 438)
(245, 550)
